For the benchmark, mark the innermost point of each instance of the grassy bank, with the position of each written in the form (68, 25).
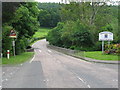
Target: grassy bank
(18, 58)
(99, 56)
(41, 33)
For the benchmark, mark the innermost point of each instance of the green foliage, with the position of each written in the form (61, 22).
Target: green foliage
(54, 36)
(8, 9)
(6, 40)
(49, 14)
(71, 35)
(25, 22)
(82, 24)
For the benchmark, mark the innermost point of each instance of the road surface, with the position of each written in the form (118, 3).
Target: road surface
(52, 69)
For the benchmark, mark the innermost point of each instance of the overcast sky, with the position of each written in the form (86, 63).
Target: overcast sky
(64, 0)
(57, 1)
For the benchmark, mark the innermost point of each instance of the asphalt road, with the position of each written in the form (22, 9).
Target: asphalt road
(52, 69)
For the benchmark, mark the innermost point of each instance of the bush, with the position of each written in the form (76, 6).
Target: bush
(112, 49)
(71, 35)
(54, 36)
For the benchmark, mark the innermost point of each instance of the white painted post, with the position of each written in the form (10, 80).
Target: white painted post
(102, 46)
(8, 54)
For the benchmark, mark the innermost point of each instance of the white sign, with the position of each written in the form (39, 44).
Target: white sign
(105, 36)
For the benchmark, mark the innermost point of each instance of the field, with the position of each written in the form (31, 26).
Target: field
(18, 58)
(41, 33)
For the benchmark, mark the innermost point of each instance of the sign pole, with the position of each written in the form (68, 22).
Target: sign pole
(102, 46)
(108, 43)
(14, 47)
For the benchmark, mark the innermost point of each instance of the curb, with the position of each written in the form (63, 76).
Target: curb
(96, 61)
(84, 58)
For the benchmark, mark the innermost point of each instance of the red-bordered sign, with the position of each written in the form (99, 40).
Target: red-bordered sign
(13, 34)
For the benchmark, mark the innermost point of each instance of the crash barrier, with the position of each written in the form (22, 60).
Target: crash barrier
(75, 53)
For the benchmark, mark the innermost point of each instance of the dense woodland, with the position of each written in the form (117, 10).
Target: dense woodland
(49, 14)
(81, 23)
(75, 25)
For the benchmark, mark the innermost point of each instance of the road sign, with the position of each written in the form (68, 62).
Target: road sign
(13, 34)
(105, 36)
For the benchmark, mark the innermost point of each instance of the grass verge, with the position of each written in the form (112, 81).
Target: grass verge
(18, 59)
(99, 56)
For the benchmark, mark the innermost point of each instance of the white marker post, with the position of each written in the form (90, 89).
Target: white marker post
(8, 54)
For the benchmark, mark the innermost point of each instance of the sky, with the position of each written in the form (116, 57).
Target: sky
(57, 1)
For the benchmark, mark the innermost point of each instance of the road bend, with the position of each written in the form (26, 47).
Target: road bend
(52, 69)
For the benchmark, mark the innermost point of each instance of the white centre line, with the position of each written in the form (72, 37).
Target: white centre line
(80, 79)
(49, 50)
(6, 79)
(88, 86)
(40, 51)
(83, 81)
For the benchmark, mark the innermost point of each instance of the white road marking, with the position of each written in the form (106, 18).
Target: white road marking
(46, 80)
(6, 79)
(11, 73)
(40, 51)
(49, 50)
(83, 81)
(88, 86)
(115, 80)
(32, 59)
(80, 79)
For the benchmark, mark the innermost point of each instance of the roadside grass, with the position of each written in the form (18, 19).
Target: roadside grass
(99, 56)
(18, 59)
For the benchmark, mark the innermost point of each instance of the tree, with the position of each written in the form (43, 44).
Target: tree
(25, 22)
(49, 14)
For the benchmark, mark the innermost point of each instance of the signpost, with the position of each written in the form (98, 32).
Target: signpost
(14, 36)
(105, 36)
